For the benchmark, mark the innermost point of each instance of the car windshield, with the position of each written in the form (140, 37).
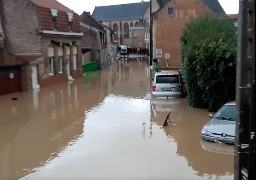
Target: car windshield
(167, 79)
(227, 112)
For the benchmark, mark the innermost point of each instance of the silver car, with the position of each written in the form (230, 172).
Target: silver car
(221, 128)
(167, 84)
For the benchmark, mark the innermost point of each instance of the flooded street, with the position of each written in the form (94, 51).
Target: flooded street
(102, 127)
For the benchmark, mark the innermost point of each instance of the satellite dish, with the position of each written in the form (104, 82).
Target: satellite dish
(167, 55)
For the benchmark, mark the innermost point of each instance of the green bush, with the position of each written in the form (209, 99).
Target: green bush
(208, 60)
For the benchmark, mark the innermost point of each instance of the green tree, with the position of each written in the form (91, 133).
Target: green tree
(208, 60)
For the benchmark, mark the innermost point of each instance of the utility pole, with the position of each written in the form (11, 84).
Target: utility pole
(245, 93)
(150, 48)
(151, 35)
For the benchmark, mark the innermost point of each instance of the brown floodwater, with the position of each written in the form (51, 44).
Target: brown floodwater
(105, 126)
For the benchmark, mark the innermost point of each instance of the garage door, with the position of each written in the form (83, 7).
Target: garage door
(10, 80)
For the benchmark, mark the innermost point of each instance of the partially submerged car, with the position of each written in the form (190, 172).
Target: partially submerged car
(222, 126)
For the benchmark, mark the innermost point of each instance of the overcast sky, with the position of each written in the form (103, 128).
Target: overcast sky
(230, 6)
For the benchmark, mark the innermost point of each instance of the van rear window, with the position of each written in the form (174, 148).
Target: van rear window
(167, 79)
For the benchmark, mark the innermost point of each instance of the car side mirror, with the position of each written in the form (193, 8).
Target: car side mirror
(211, 115)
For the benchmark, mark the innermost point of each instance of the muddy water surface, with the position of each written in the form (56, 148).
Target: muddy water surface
(102, 127)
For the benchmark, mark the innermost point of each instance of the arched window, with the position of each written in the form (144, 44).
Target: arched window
(131, 24)
(137, 24)
(126, 30)
(115, 29)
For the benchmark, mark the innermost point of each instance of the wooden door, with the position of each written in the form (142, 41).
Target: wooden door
(10, 80)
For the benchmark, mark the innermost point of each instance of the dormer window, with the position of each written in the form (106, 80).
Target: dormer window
(54, 12)
(70, 19)
(54, 18)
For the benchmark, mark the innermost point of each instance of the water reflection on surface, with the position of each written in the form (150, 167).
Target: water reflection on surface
(102, 127)
(210, 160)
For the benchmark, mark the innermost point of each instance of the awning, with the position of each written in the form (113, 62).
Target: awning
(31, 58)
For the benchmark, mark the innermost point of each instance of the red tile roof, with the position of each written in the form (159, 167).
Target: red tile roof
(52, 4)
(46, 22)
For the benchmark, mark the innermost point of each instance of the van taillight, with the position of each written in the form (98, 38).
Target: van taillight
(181, 88)
(154, 88)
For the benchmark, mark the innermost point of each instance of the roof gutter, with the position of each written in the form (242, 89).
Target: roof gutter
(62, 33)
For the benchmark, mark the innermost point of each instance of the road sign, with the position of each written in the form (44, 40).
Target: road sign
(159, 53)
(167, 56)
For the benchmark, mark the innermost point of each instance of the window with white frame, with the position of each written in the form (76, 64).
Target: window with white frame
(54, 13)
(68, 55)
(60, 64)
(60, 58)
(74, 49)
(50, 66)
(70, 19)
(74, 62)
(50, 60)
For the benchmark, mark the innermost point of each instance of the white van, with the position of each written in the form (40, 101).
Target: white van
(168, 84)
(123, 49)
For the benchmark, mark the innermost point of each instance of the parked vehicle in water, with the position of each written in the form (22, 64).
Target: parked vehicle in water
(168, 83)
(221, 128)
(123, 50)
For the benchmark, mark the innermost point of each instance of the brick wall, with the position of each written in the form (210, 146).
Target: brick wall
(90, 39)
(168, 29)
(19, 24)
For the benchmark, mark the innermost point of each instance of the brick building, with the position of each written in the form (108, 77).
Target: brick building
(169, 22)
(97, 43)
(17, 36)
(47, 36)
